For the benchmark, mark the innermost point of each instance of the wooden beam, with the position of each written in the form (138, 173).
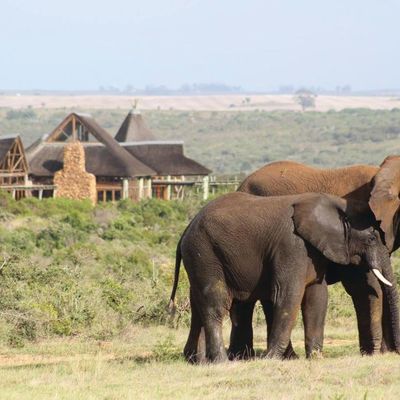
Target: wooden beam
(74, 128)
(11, 174)
(57, 132)
(168, 194)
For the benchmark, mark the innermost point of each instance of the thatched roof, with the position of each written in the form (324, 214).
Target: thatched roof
(103, 158)
(99, 161)
(134, 129)
(108, 158)
(166, 158)
(6, 143)
(17, 162)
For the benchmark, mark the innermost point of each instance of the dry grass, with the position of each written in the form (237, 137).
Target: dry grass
(145, 364)
(198, 103)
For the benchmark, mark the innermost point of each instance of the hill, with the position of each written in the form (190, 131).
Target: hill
(234, 142)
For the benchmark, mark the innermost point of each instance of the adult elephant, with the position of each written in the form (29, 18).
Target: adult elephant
(376, 307)
(248, 247)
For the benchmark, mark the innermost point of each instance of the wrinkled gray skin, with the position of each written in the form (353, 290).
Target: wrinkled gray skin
(376, 305)
(242, 247)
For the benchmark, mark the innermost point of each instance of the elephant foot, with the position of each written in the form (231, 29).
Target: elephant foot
(290, 354)
(193, 357)
(315, 354)
(217, 358)
(275, 353)
(241, 354)
(196, 355)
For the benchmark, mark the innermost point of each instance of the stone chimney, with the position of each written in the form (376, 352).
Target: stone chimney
(73, 182)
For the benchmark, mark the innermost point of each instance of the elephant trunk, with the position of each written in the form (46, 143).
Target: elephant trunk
(391, 319)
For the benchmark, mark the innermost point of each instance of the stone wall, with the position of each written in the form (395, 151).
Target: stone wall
(73, 182)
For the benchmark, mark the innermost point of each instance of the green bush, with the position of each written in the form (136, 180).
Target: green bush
(71, 269)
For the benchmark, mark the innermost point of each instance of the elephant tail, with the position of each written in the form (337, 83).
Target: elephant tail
(178, 259)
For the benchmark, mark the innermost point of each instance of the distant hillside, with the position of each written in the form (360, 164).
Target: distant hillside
(199, 102)
(234, 142)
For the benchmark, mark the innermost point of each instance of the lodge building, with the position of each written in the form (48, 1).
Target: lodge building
(80, 159)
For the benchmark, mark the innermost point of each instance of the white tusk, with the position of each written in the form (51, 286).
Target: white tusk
(381, 277)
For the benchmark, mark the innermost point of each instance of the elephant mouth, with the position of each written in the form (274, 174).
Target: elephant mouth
(379, 275)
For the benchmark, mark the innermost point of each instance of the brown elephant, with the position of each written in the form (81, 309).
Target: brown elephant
(376, 307)
(247, 247)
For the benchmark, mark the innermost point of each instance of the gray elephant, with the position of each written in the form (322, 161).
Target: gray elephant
(376, 306)
(245, 247)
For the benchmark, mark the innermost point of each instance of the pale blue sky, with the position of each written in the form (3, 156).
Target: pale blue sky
(256, 44)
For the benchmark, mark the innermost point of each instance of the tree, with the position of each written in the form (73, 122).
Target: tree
(305, 98)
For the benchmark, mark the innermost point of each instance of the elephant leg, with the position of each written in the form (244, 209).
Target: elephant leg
(366, 294)
(194, 350)
(213, 306)
(241, 339)
(314, 307)
(284, 313)
(289, 353)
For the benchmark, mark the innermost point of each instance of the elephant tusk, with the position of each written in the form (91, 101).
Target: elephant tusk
(379, 275)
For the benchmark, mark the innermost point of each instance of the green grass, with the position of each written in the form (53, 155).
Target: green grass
(82, 306)
(70, 269)
(84, 289)
(146, 363)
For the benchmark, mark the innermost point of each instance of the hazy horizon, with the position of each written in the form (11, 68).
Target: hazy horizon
(257, 45)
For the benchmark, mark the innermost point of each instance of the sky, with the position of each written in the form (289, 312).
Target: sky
(256, 44)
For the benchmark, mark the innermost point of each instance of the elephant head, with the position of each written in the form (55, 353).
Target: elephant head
(384, 201)
(343, 231)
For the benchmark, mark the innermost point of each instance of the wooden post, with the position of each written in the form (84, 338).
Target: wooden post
(125, 188)
(168, 194)
(148, 188)
(236, 183)
(74, 136)
(140, 189)
(205, 187)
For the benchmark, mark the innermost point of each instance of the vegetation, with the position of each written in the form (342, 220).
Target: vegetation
(234, 142)
(145, 363)
(69, 269)
(305, 98)
(84, 289)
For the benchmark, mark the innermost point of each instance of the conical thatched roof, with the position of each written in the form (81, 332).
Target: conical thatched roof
(133, 129)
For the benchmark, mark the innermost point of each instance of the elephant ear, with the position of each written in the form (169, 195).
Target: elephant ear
(384, 201)
(321, 221)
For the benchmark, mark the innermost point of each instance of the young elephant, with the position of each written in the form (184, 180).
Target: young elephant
(245, 247)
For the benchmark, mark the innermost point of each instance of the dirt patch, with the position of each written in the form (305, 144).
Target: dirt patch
(243, 102)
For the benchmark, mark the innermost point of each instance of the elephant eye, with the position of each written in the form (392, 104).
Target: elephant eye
(371, 239)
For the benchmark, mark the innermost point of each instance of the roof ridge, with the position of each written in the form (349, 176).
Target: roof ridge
(122, 154)
(10, 136)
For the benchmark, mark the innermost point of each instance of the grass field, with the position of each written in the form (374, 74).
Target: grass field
(145, 363)
(83, 289)
(82, 306)
(243, 102)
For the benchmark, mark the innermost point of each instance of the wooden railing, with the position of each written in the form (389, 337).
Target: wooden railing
(19, 191)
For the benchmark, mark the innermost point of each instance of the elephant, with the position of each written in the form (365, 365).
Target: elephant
(376, 307)
(245, 247)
